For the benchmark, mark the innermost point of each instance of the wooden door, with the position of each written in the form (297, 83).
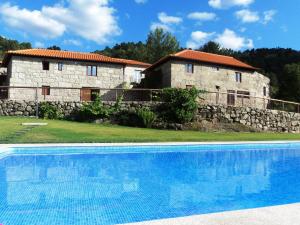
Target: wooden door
(230, 97)
(85, 94)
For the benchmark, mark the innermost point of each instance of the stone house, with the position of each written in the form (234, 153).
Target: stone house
(83, 74)
(231, 81)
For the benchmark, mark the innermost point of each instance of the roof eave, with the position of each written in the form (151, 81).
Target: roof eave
(8, 56)
(163, 60)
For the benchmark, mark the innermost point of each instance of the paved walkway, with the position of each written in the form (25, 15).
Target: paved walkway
(277, 215)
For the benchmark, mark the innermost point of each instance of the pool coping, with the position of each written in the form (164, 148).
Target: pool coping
(141, 144)
(273, 215)
(7, 148)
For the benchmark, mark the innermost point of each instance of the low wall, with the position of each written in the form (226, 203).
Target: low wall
(264, 120)
(28, 108)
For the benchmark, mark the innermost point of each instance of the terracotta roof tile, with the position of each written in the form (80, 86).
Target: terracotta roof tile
(72, 55)
(206, 58)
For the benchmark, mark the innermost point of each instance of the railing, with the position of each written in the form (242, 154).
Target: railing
(234, 99)
(113, 94)
(46, 93)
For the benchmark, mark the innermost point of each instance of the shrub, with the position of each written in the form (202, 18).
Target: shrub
(48, 111)
(142, 117)
(128, 118)
(146, 117)
(93, 110)
(179, 105)
(97, 110)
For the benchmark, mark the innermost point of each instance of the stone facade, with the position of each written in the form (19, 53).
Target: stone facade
(28, 72)
(258, 119)
(212, 78)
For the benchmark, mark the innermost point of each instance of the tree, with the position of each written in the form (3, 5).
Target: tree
(54, 47)
(211, 47)
(159, 44)
(126, 50)
(215, 48)
(7, 44)
(292, 81)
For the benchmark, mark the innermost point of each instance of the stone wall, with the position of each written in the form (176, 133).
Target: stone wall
(28, 108)
(28, 71)
(262, 120)
(209, 77)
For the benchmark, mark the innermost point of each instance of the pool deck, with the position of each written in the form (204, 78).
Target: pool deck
(275, 215)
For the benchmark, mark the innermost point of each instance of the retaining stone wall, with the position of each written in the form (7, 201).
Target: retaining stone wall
(264, 120)
(260, 119)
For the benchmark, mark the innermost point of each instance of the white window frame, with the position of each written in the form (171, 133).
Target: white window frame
(189, 68)
(60, 66)
(91, 71)
(238, 77)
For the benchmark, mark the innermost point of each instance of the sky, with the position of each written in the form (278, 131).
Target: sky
(89, 25)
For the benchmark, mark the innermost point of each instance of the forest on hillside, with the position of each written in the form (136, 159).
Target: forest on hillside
(281, 65)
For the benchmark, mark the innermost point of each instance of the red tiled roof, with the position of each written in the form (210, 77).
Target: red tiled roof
(92, 57)
(206, 58)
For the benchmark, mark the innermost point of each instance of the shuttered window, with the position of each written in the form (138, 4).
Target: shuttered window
(45, 90)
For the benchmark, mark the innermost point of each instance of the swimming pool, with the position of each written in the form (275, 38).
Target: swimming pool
(122, 184)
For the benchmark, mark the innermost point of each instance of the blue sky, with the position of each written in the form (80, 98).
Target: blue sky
(88, 25)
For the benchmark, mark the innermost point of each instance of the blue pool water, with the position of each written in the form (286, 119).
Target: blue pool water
(115, 185)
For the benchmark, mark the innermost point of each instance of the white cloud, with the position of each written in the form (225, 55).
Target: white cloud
(229, 39)
(34, 22)
(223, 4)
(284, 28)
(198, 38)
(90, 19)
(243, 29)
(247, 16)
(38, 44)
(165, 19)
(72, 42)
(166, 22)
(268, 16)
(202, 16)
(161, 26)
(140, 1)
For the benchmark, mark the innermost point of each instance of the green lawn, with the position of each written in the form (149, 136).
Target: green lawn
(64, 132)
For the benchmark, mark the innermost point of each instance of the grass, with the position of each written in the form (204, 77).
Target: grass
(67, 132)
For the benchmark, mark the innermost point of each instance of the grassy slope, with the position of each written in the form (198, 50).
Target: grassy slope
(64, 131)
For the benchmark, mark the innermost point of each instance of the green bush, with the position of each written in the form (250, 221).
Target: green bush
(97, 110)
(48, 111)
(142, 117)
(179, 105)
(127, 118)
(146, 117)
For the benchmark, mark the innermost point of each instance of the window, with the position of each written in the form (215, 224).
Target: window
(45, 90)
(189, 68)
(92, 71)
(60, 66)
(243, 94)
(189, 86)
(45, 65)
(238, 77)
(265, 91)
(215, 68)
(137, 76)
